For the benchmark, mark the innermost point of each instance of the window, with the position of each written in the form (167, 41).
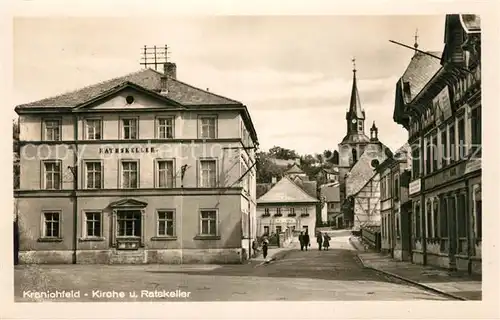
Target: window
(93, 129)
(165, 169)
(398, 230)
(462, 150)
(291, 211)
(51, 225)
(479, 228)
(52, 130)
(354, 155)
(427, 156)
(130, 174)
(129, 127)
(461, 216)
(266, 211)
(418, 220)
(209, 222)
(93, 223)
(129, 223)
(429, 219)
(444, 148)
(451, 143)
(165, 128)
(476, 130)
(278, 211)
(166, 223)
(266, 229)
(435, 219)
(360, 125)
(415, 161)
(435, 155)
(443, 214)
(93, 175)
(396, 187)
(208, 127)
(304, 212)
(52, 174)
(208, 178)
(278, 229)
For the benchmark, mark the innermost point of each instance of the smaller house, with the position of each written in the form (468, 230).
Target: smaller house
(331, 212)
(288, 204)
(328, 175)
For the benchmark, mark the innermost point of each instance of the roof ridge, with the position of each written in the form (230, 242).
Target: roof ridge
(299, 187)
(86, 87)
(197, 88)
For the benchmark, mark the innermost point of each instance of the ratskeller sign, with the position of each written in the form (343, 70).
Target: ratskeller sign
(128, 150)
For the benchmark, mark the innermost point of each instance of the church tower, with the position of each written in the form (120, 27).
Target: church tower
(355, 140)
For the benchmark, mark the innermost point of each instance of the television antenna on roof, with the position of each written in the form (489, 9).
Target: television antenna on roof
(154, 56)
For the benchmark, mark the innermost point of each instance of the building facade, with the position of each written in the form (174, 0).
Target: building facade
(331, 210)
(443, 119)
(138, 169)
(287, 205)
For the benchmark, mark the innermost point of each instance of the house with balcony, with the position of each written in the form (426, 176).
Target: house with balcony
(143, 168)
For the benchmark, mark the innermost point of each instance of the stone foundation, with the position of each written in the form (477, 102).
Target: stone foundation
(398, 254)
(462, 263)
(438, 260)
(46, 257)
(477, 266)
(112, 256)
(418, 258)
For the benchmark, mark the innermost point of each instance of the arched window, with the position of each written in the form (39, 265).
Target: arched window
(354, 155)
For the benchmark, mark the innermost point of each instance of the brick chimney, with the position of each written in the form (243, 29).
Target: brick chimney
(170, 70)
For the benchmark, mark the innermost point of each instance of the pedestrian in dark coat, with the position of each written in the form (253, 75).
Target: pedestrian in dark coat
(319, 240)
(326, 241)
(307, 242)
(264, 249)
(301, 241)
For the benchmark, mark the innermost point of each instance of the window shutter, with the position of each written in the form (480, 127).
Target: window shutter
(113, 227)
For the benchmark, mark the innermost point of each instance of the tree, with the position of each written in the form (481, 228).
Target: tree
(282, 153)
(266, 169)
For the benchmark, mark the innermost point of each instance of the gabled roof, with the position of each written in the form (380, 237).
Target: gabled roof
(178, 91)
(419, 72)
(363, 170)
(128, 203)
(294, 169)
(286, 191)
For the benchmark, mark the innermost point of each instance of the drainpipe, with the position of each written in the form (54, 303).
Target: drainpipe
(422, 195)
(74, 171)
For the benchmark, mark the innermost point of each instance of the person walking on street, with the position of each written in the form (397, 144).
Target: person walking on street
(264, 248)
(319, 240)
(307, 242)
(326, 241)
(301, 241)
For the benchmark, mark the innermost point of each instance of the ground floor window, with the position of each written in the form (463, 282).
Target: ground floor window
(398, 227)
(429, 218)
(461, 216)
(93, 223)
(477, 212)
(166, 223)
(417, 220)
(129, 223)
(278, 229)
(208, 222)
(266, 230)
(435, 219)
(443, 214)
(51, 224)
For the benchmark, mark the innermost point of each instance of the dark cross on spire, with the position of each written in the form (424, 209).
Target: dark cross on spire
(155, 56)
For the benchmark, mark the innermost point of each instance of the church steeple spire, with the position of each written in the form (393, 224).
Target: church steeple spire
(355, 110)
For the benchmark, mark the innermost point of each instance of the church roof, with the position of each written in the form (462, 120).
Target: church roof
(355, 103)
(356, 138)
(364, 169)
(286, 191)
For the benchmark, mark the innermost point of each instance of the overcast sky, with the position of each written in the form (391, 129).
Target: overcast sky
(293, 73)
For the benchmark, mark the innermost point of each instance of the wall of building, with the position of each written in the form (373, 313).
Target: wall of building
(184, 245)
(296, 222)
(367, 203)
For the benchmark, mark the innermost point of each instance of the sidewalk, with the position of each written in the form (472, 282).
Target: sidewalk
(453, 284)
(275, 253)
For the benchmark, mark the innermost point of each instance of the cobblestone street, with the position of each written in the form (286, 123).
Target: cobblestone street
(310, 275)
